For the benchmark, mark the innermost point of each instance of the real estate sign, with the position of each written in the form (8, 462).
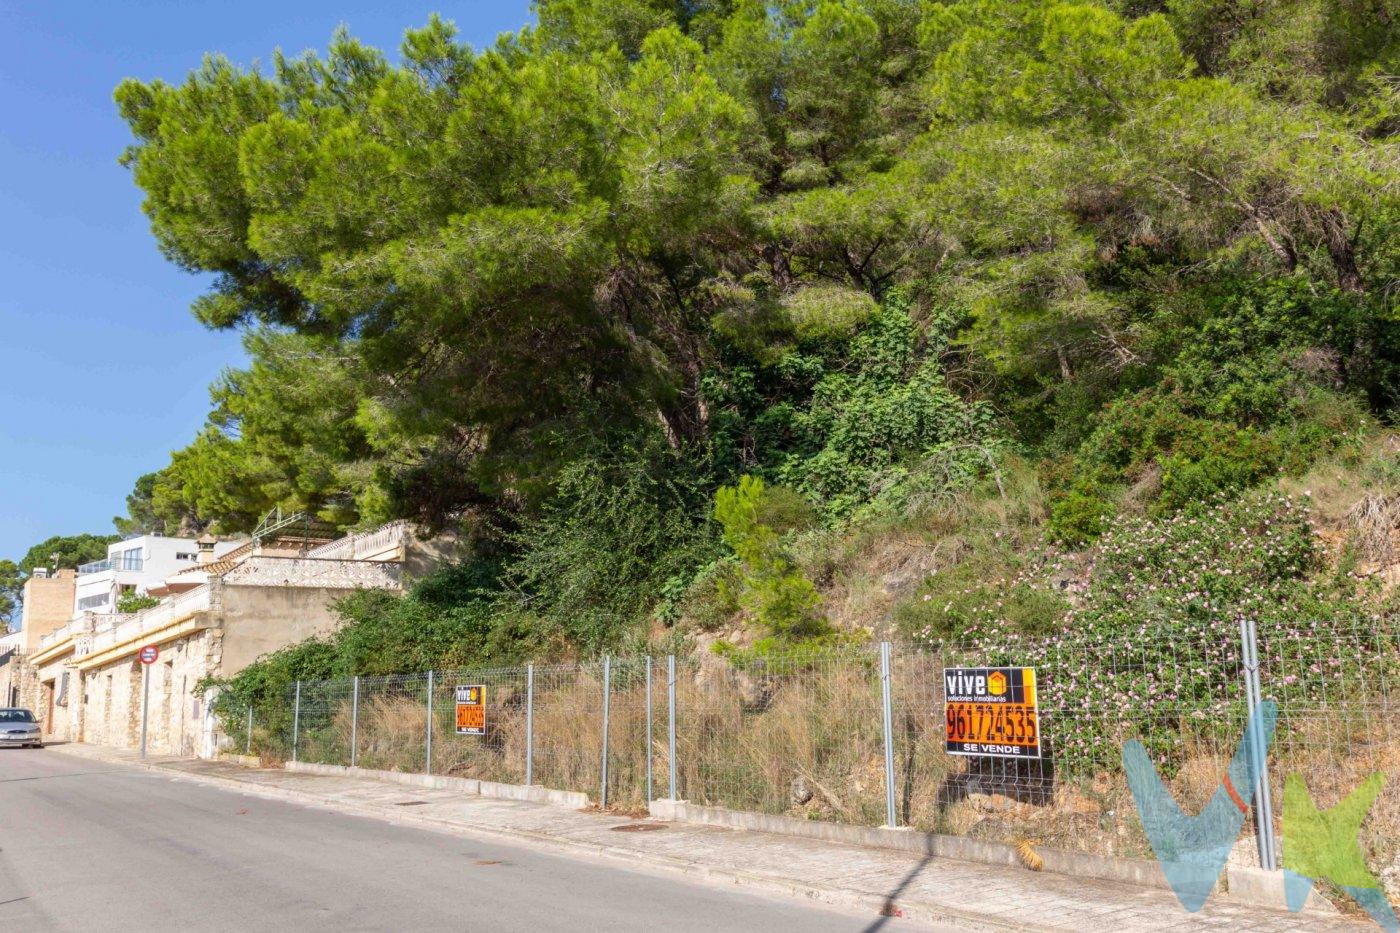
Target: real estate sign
(471, 709)
(991, 712)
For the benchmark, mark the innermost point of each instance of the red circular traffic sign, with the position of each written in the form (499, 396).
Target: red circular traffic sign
(149, 654)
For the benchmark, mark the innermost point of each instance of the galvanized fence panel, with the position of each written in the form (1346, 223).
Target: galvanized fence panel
(1338, 690)
(391, 728)
(773, 734)
(499, 755)
(803, 733)
(1091, 698)
(324, 722)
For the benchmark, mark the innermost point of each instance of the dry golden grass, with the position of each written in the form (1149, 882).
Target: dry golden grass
(807, 742)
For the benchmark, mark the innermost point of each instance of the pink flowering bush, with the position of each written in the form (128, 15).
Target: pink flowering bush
(1153, 649)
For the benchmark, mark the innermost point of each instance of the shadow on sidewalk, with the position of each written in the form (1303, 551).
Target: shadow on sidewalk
(890, 908)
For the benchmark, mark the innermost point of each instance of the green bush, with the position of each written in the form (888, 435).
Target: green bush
(1158, 626)
(619, 541)
(782, 600)
(132, 602)
(1251, 390)
(871, 424)
(848, 406)
(1079, 516)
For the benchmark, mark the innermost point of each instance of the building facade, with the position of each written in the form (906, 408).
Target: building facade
(223, 615)
(135, 566)
(47, 607)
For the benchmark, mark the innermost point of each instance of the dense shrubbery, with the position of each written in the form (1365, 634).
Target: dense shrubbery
(849, 414)
(1253, 387)
(782, 601)
(623, 530)
(1153, 645)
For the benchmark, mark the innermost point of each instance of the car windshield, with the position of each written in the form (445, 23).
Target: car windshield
(16, 715)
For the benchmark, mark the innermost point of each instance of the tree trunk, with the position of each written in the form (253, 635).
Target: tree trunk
(1342, 248)
(686, 417)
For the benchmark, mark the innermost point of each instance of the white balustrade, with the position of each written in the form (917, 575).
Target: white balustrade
(366, 542)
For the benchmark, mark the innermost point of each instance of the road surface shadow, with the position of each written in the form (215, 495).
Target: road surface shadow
(890, 908)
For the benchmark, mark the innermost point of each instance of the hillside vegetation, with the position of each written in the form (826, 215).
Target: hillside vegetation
(741, 324)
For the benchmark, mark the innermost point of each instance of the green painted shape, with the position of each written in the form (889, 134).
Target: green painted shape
(1323, 843)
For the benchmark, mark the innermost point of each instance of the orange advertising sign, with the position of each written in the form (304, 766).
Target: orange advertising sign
(991, 711)
(471, 709)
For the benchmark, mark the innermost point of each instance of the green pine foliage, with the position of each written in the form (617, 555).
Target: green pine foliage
(669, 304)
(782, 601)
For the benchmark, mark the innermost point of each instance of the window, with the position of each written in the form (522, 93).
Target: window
(129, 559)
(184, 555)
(93, 602)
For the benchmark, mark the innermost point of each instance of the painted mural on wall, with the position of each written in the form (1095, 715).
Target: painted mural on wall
(1317, 845)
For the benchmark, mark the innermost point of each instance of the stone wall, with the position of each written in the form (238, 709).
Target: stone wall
(248, 622)
(41, 690)
(423, 554)
(176, 718)
(257, 620)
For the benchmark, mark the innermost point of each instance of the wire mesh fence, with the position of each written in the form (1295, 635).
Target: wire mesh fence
(805, 733)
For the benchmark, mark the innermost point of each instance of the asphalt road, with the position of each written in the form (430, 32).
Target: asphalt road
(89, 846)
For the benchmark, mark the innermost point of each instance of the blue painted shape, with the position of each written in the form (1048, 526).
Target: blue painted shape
(1295, 889)
(1374, 900)
(1192, 849)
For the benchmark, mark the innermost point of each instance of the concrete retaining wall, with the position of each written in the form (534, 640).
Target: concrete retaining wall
(1243, 885)
(533, 794)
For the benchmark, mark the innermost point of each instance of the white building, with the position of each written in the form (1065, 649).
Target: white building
(85, 682)
(133, 566)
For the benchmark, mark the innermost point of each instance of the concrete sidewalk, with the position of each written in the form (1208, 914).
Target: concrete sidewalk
(886, 883)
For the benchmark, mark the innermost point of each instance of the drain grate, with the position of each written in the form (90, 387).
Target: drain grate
(638, 827)
(411, 803)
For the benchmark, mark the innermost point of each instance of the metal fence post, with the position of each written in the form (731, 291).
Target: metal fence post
(248, 744)
(607, 694)
(428, 740)
(529, 725)
(671, 716)
(355, 721)
(648, 752)
(891, 820)
(1268, 795)
(296, 722)
(145, 702)
(1263, 802)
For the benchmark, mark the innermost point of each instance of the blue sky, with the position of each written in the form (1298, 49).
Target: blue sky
(102, 369)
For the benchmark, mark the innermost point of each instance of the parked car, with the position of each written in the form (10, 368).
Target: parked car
(19, 727)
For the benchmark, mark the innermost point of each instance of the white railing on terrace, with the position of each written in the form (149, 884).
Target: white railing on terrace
(111, 563)
(83, 624)
(148, 620)
(366, 542)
